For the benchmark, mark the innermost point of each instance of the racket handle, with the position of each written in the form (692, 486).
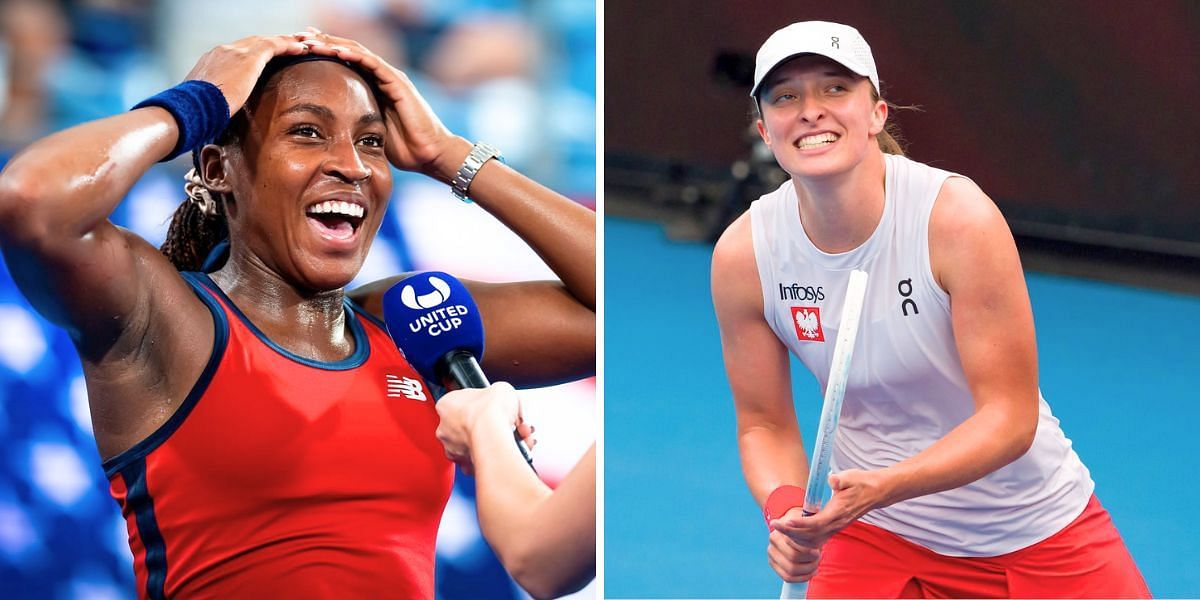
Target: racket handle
(797, 591)
(793, 591)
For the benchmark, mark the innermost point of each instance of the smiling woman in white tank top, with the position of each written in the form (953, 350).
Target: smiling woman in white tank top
(952, 476)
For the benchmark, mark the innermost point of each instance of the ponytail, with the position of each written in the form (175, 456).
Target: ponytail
(197, 226)
(890, 140)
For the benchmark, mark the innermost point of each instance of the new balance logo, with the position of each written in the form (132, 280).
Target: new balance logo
(408, 387)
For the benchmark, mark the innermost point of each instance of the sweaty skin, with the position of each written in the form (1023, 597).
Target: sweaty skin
(315, 132)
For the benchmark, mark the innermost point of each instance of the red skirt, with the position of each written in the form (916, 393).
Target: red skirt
(1086, 559)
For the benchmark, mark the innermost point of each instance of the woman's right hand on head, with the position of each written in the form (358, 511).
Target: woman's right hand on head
(235, 67)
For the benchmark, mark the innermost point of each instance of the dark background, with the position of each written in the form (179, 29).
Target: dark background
(1078, 118)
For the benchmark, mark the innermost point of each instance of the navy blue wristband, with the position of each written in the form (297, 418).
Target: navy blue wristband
(200, 110)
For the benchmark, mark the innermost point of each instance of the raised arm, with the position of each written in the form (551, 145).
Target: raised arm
(78, 269)
(74, 266)
(537, 332)
(546, 540)
(142, 335)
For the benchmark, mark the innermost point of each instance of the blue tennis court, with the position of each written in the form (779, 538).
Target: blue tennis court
(1118, 366)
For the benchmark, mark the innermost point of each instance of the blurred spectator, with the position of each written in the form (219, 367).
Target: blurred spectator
(474, 52)
(35, 37)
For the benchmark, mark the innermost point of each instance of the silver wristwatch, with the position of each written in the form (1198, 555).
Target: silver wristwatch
(480, 154)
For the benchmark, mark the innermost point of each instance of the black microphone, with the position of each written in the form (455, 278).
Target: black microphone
(434, 321)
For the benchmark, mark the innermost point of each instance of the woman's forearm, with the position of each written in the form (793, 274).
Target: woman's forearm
(506, 489)
(772, 456)
(71, 181)
(562, 232)
(545, 540)
(988, 440)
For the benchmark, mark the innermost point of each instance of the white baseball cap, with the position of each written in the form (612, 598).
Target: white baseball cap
(841, 43)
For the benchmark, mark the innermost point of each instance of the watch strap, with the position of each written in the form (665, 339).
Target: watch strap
(480, 153)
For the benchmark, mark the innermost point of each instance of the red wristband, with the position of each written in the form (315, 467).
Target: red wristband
(783, 499)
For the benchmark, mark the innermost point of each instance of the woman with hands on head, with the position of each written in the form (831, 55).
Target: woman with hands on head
(239, 394)
(545, 539)
(952, 478)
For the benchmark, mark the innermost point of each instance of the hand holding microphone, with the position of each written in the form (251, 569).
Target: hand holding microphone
(469, 415)
(434, 321)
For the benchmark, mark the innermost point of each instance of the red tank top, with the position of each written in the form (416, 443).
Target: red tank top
(284, 477)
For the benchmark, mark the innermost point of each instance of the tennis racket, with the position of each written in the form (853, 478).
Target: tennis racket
(835, 391)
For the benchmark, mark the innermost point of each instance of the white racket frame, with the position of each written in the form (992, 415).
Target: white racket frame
(831, 409)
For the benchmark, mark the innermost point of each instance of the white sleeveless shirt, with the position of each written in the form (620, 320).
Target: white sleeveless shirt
(907, 388)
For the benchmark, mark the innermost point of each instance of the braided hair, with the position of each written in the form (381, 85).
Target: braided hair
(196, 227)
(199, 223)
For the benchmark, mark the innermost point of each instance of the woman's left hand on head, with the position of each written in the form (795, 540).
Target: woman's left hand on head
(417, 139)
(855, 493)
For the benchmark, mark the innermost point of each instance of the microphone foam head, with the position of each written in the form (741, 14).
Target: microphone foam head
(430, 314)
